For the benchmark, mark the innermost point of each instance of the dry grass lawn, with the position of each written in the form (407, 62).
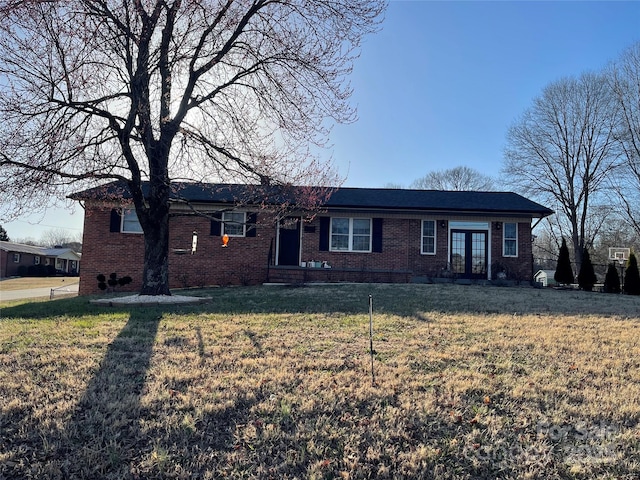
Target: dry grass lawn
(24, 283)
(270, 382)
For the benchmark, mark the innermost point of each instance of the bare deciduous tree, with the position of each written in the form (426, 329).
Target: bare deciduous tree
(624, 77)
(457, 179)
(61, 237)
(562, 150)
(166, 90)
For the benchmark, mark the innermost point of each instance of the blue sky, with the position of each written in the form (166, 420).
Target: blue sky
(442, 81)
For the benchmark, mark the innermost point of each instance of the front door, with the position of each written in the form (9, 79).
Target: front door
(469, 253)
(289, 241)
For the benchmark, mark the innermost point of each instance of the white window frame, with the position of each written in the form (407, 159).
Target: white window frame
(422, 237)
(16, 258)
(36, 260)
(126, 221)
(223, 227)
(351, 235)
(510, 239)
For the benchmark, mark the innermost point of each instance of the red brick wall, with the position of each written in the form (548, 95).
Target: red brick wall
(105, 252)
(242, 262)
(516, 268)
(400, 249)
(245, 259)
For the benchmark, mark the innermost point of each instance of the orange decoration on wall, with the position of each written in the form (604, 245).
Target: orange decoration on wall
(225, 240)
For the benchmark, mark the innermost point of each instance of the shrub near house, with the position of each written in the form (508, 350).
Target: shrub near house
(359, 234)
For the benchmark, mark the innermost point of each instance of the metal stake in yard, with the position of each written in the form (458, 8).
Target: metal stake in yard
(373, 375)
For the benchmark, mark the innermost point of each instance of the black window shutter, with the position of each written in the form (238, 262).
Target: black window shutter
(115, 220)
(216, 225)
(376, 241)
(324, 234)
(252, 219)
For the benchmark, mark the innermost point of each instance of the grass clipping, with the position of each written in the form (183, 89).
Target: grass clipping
(276, 384)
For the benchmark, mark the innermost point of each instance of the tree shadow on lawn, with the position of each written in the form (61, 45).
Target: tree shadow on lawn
(78, 307)
(103, 433)
(110, 433)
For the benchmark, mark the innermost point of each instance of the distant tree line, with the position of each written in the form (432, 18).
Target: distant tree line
(57, 237)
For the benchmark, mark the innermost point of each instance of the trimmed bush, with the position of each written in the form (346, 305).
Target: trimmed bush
(37, 270)
(632, 277)
(586, 277)
(564, 272)
(612, 280)
(113, 281)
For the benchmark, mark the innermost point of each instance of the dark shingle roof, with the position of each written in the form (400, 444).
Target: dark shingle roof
(400, 199)
(34, 250)
(506, 203)
(21, 248)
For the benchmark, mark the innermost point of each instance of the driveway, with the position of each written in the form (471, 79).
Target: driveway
(67, 290)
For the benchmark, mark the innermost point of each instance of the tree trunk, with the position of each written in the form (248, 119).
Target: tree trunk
(156, 268)
(155, 279)
(154, 220)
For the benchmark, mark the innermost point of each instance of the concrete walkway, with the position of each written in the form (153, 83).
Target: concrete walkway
(67, 290)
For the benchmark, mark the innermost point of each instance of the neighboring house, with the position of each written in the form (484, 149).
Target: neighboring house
(32, 258)
(360, 234)
(65, 260)
(545, 277)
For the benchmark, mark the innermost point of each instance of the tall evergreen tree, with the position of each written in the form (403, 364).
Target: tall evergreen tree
(564, 272)
(612, 280)
(586, 277)
(4, 236)
(632, 277)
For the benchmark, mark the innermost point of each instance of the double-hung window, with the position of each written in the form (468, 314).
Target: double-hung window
(130, 222)
(16, 258)
(36, 260)
(350, 234)
(234, 224)
(428, 237)
(510, 240)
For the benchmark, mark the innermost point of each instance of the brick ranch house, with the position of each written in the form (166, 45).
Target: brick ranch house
(359, 235)
(16, 258)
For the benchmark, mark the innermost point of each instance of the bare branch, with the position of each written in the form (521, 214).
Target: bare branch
(152, 90)
(563, 149)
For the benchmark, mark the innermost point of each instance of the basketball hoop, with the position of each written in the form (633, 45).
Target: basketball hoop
(619, 254)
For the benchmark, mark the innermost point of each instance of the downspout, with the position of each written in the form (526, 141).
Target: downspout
(537, 223)
(532, 228)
